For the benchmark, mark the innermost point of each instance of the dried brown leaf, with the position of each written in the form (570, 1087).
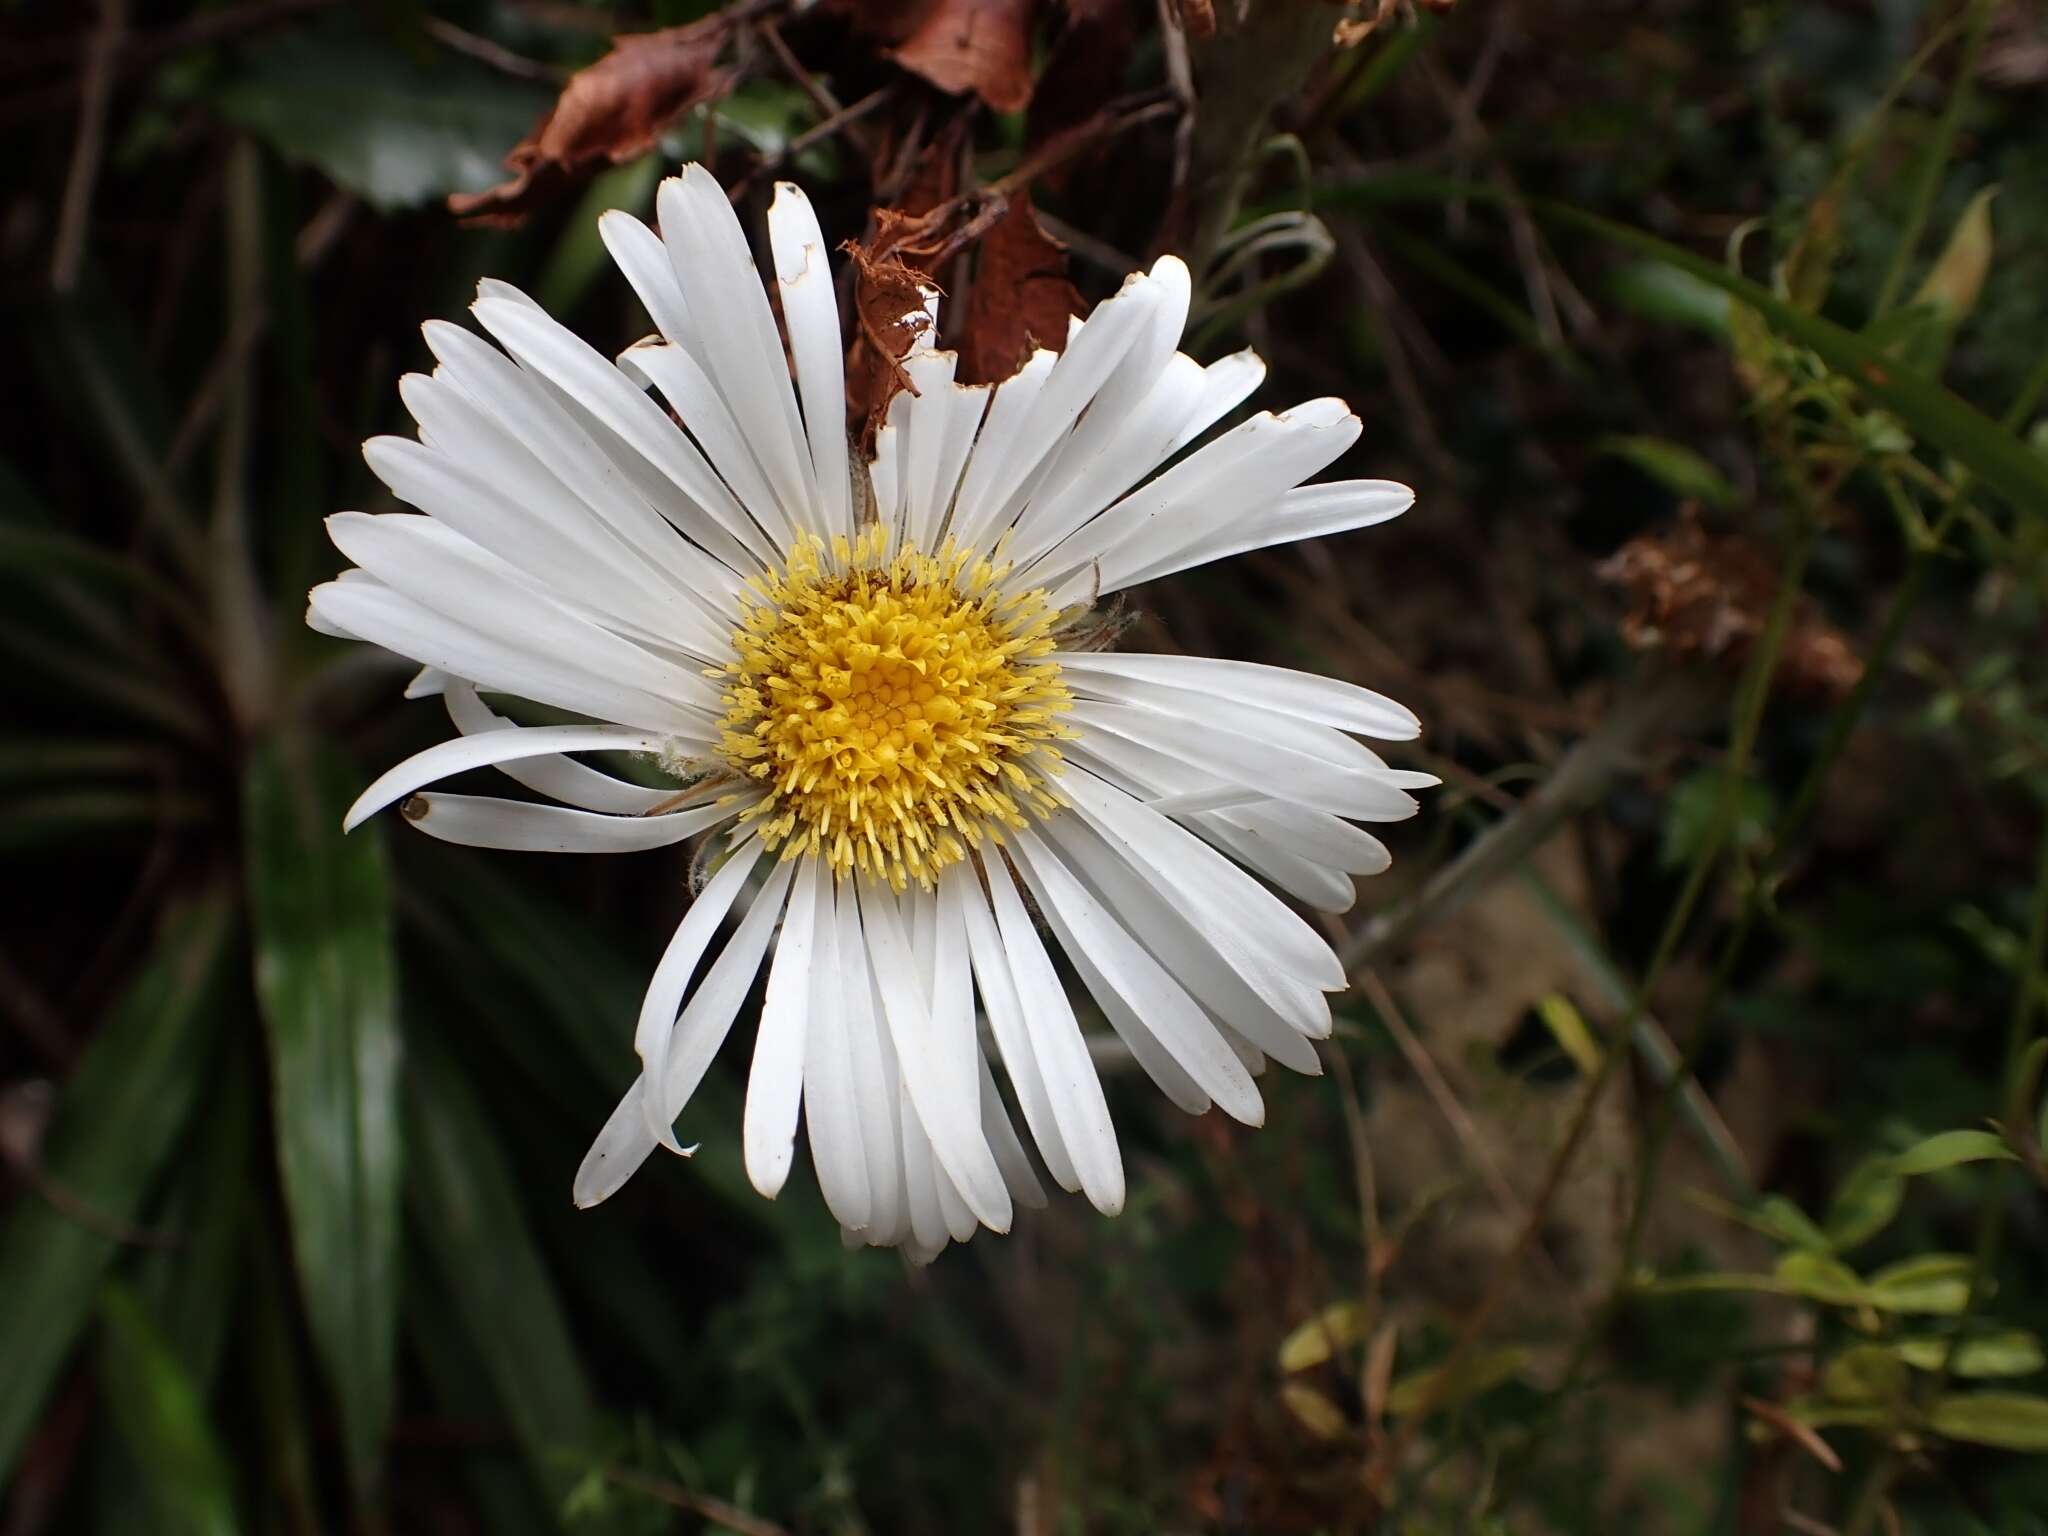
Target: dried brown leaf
(1707, 596)
(611, 112)
(978, 46)
(1021, 297)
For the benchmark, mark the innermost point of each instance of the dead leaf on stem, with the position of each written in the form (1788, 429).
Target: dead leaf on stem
(611, 112)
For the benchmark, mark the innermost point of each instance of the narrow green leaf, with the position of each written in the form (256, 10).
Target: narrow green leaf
(1479, 1374)
(1865, 1204)
(1674, 466)
(1951, 1149)
(119, 1117)
(325, 977)
(465, 1207)
(1934, 414)
(2014, 1352)
(2011, 1421)
(162, 1420)
(1937, 1283)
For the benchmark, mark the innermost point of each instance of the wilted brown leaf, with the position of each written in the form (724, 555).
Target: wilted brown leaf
(611, 112)
(983, 46)
(1021, 297)
(1708, 596)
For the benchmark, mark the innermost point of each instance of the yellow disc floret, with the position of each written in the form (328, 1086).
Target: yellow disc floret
(896, 706)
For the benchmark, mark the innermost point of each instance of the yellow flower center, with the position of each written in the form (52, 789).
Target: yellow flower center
(897, 707)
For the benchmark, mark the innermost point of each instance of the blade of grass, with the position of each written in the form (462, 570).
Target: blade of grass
(161, 1417)
(465, 1209)
(119, 1117)
(326, 982)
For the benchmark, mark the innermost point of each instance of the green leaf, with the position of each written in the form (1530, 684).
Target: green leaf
(1937, 1283)
(1568, 1028)
(2014, 1352)
(1695, 807)
(1817, 1276)
(1951, 1149)
(1865, 1204)
(1935, 415)
(162, 1420)
(1673, 465)
(580, 256)
(1478, 1374)
(1955, 280)
(2011, 1421)
(325, 978)
(1864, 1373)
(1660, 291)
(373, 118)
(118, 1119)
(1777, 1217)
(466, 1210)
(1337, 1328)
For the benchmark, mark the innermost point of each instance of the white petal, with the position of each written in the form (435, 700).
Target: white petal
(831, 1111)
(1226, 384)
(876, 1085)
(1002, 1140)
(558, 354)
(1249, 991)
(1320, 886)
(368, 610)
(741, 348)
(655, 1028)
(1088, 931)
(1068, 1072)
(1255, 722)
(590, 464)
(920, 1181)
(1138, 447)
(939, 424)
(775, 1085)
(562, 778)
(708, 1016)
(924, 1036)
(1246, 467)
(438, 569)
(621, 1147)
(429, 682)
(1302, 694)
(998, 989)
(639, 253)
(464, 752)
(479, 821)
(705, 415)
(1255, 764)
(981, 492)
(1307, 512)
(810, 313)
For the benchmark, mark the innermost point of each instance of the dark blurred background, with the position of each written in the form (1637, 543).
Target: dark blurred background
(1677, 1163)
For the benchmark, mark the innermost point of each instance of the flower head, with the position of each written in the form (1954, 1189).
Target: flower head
(882, 699)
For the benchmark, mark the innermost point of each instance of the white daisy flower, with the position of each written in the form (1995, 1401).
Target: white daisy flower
(889, 708)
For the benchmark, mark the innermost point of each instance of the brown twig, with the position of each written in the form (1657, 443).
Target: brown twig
(499, 57)
(90, 147)
(679, 1497)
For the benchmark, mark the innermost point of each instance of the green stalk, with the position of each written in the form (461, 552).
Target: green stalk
(1934, 160)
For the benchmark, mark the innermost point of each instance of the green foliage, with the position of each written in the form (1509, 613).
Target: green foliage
(257, 1275)
(372, 117)
(325, 979)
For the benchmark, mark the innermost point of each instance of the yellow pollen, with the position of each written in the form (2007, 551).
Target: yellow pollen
(897, 707)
